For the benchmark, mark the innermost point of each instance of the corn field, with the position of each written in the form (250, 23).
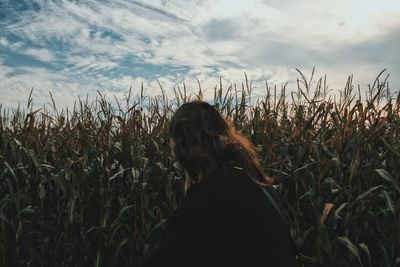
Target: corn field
(84, 187)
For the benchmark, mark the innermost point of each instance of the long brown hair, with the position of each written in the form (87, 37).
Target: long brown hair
(204, 138)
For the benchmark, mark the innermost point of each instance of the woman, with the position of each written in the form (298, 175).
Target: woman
(227, 219)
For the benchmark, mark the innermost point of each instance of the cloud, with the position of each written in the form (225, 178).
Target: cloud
(91, 63)
(4, 42)
(381, 50)
(109, 44)
(222, 30)
(39, 53)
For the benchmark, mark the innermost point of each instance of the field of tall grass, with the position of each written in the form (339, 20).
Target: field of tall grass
(84, 187)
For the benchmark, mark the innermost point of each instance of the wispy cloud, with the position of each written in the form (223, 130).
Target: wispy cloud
(39, 53)
(82, 46)
(4, 42)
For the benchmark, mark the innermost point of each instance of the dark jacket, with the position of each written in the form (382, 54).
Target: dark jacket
(225, 221)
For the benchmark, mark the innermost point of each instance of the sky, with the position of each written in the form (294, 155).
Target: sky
(78, 47)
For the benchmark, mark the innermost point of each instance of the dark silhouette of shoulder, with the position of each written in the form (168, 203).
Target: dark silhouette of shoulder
(224, 221)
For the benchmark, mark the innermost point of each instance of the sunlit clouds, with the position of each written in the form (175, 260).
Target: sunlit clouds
(74, 48)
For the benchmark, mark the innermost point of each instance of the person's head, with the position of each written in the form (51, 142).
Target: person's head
(200, 138)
